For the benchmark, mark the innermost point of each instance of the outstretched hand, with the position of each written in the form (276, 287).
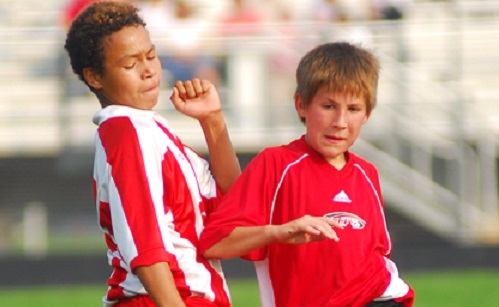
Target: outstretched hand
(307, 229)
(196, 98)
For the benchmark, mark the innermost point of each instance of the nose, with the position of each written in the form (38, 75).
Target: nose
(340, 118)
(150, 69)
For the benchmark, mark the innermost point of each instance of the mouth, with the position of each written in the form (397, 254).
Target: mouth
(152, 89)
(334, 138)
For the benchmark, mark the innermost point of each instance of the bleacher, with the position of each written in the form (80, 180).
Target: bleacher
(433, 134)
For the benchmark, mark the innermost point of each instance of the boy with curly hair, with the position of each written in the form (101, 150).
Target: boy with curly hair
(152, 193)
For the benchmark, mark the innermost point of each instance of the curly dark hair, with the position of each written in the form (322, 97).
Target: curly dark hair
(86, 36)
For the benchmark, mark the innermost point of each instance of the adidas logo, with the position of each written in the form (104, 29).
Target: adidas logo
(342, 197)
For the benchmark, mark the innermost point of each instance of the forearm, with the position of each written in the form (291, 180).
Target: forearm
(224, 163)
(241, 241)
(244, 239)
(159, 284)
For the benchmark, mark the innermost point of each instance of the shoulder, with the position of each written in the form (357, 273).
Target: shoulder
(125, 128)
(279, 157)
(116, 112)
(122, 119)
(367, 170)
(286, 153)
(363, 163)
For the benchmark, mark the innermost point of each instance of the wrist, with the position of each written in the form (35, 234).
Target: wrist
(212, 118)
(213, 124)
(272, 233)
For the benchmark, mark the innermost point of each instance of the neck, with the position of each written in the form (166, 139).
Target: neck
(339, 162)
(104, 101)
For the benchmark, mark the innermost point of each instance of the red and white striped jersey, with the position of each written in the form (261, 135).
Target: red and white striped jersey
(284, 183)
(152, 194)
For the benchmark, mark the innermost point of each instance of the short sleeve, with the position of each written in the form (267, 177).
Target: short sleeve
(248, 203)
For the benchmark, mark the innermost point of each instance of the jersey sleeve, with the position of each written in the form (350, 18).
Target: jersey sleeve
(247, 203)
(383, 231)
(135, 193)
(377, 186)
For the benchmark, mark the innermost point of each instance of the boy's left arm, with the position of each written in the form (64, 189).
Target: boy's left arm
(199, 99)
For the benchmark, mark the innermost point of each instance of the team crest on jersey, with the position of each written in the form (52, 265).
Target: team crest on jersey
(347, 218)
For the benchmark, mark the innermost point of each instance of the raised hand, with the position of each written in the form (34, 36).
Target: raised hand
(196, 98)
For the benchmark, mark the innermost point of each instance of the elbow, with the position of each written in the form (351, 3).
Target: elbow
(208, 253)
(228, 182)
(207, 249)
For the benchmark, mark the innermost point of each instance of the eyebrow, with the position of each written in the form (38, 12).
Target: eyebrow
(136, 55)
(349, 102)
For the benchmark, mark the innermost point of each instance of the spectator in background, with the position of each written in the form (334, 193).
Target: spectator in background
(394, 12)
(283, 57)
(349, 12)
(190, 59)
(329, 11)
(180, 34)
(390, 9)
(343, 10)
(241, 19)
(159, 15)
(72, 9)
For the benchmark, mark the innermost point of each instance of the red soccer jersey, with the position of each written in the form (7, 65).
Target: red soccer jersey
(284, 183)
(152, 194)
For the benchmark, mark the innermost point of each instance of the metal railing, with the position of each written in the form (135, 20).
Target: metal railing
(433, 135)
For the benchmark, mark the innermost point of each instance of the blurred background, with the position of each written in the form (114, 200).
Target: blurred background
(433, 135)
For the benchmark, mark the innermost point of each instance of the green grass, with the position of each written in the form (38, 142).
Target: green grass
(455, 289)
(76, 296)
(243, 292)
(452, 289)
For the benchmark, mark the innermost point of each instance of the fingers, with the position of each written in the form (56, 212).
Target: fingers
(175, 98)
(192, 88)
(307, 229)
(333, 222)
(326, 230)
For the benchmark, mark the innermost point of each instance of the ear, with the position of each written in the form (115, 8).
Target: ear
(92, 78)
(366, 118)
(300, 109)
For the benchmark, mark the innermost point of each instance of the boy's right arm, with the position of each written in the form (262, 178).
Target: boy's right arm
(244, 239)
(199, 99)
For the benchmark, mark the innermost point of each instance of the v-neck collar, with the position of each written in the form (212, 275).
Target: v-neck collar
(318, 158)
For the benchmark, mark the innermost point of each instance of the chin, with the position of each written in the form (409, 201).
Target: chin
(151, 104)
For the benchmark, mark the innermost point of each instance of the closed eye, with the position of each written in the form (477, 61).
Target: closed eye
(130, 66)
(151, 55)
